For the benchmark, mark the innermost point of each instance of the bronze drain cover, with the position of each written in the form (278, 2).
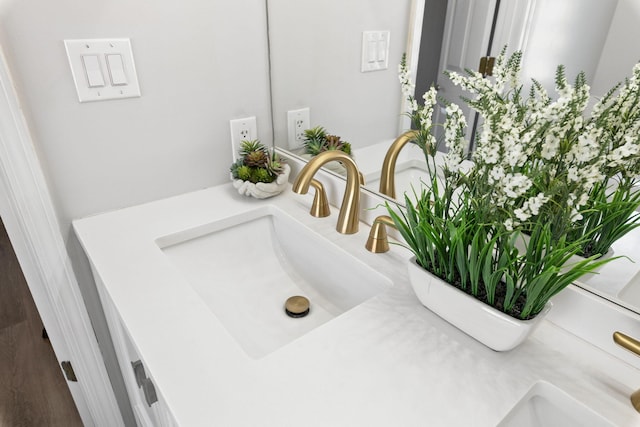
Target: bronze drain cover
(296, 306)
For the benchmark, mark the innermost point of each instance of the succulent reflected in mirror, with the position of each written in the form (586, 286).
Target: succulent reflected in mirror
(317, 140)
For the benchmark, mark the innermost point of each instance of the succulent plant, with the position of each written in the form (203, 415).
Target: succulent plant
(261, 175)
(274, 165)
(335, 143)
(256, 159)
(249, 146)
(316, 140)
(244, 172)
(256, 163)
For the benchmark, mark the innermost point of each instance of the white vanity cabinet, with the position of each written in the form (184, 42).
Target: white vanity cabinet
(148, 405)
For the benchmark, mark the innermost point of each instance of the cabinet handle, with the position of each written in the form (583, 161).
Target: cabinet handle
(138, 371)
(149, 392)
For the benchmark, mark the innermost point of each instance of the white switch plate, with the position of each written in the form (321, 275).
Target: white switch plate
(297, 122)
(375, 50)
(242, 130)
(100, 48)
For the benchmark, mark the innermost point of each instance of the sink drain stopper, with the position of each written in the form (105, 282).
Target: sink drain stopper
(296, 306)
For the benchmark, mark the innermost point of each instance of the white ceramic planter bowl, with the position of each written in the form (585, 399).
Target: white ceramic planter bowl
(491, 327)
(263, 190)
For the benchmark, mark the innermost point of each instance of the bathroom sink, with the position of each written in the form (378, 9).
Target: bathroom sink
(246, 267)
(546, 405)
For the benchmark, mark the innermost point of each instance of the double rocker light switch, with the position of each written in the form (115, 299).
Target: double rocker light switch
(102, 69)
(375, 50)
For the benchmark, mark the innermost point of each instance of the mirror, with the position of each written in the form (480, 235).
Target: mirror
(316, 53)
(316, 57)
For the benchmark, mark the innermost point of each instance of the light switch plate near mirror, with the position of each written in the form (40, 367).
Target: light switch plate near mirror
(375, 50)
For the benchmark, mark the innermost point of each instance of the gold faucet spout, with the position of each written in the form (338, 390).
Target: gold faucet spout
(387, 175)
(348, 219)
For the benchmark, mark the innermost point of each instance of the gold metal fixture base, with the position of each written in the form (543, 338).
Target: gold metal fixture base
(635, 400)
(361, 177)
(378, 242)
(320, 206)
(387, 178)
(633, 346)
(296, 306)
(349, 217)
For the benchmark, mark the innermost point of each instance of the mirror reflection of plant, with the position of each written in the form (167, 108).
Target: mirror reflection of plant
(614, 200)
(467, 228)
(578, 156)
(316, 140)
(256, 163)
(422, 121)
(420, 115)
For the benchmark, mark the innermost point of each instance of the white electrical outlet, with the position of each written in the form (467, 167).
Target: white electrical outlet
(242, 130)
(297, 122)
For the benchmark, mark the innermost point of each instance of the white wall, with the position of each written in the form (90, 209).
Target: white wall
(315, 59)
(568, 32)
(199, 62)
(175, 138)
(621, 50)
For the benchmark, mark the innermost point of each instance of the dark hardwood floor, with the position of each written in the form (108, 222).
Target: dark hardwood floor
(33, 390)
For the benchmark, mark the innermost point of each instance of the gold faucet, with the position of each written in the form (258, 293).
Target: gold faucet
(387, 178)
(348, 219)
(633, 346)
(377, 241)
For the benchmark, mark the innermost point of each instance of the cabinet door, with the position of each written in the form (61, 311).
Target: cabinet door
(146, 401)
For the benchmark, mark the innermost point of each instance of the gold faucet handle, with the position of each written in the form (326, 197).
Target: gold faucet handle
(320, 206)
(378, 242)
(633, 346)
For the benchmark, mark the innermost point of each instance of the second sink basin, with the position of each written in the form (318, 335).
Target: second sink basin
(245, 267)
(546, 405)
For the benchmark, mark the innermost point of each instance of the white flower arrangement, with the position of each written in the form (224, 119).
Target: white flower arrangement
(581, 170)
(534, 170)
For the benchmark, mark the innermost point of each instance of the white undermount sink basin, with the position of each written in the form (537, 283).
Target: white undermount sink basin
(245, 267)
(545, 405)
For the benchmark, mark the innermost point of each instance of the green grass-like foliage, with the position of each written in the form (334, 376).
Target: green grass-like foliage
(513, 273)
(611, 214)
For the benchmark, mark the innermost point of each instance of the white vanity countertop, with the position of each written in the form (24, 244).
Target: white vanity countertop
(387, 362)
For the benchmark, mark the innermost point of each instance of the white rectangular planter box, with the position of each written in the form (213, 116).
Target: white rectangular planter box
(493, 328)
